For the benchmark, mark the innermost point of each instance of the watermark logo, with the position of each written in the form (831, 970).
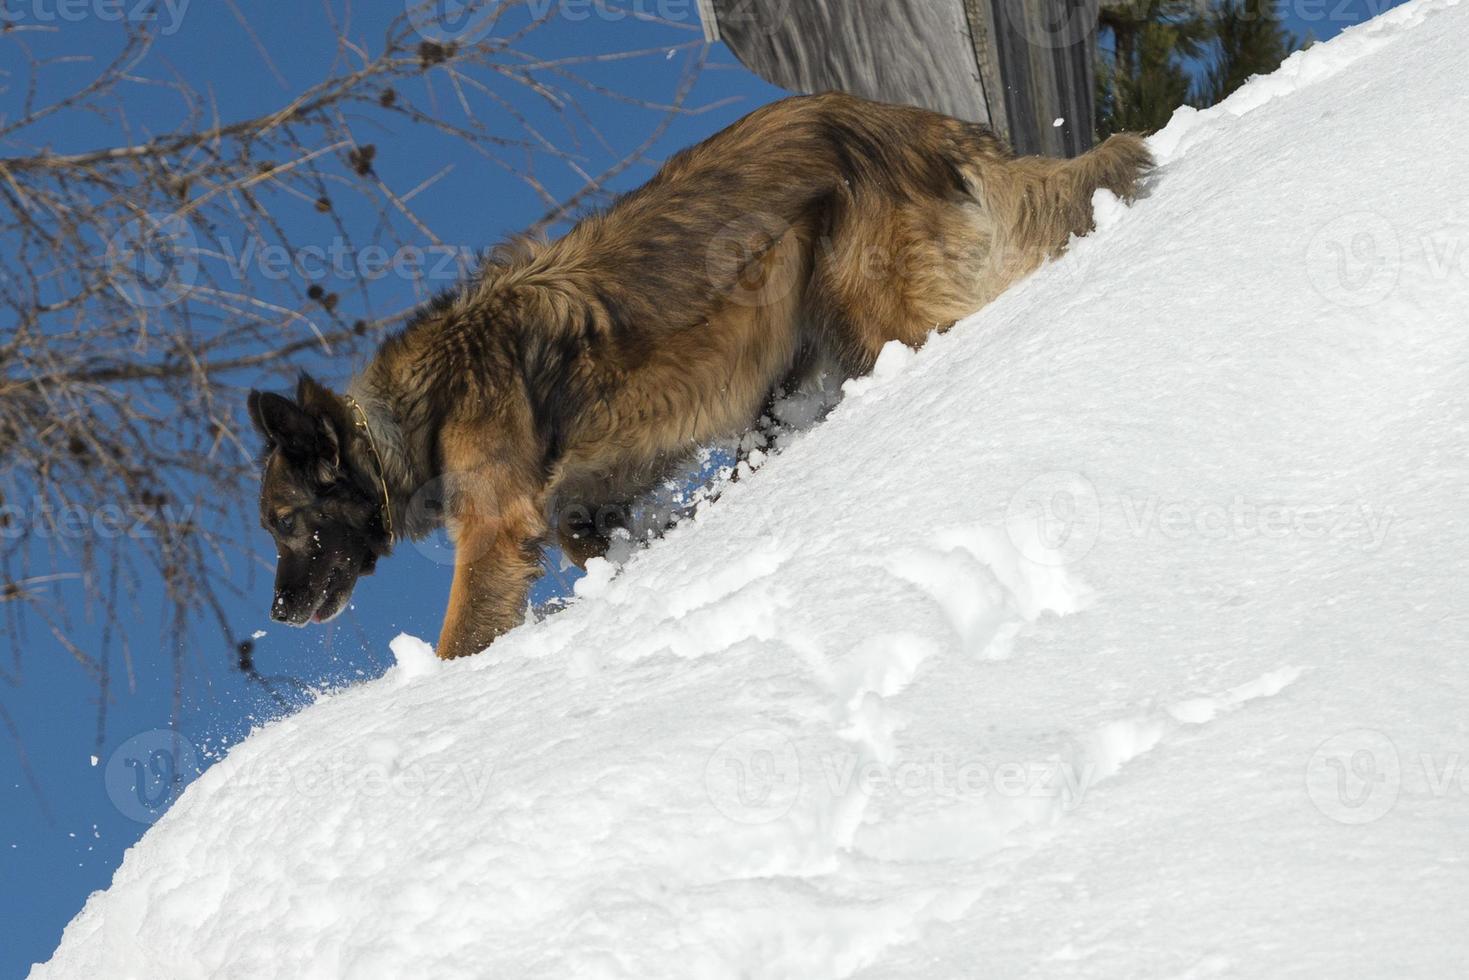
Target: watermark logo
(466, 22)
(443, 508)
(745, 261)
(153, 260)
(948, 777)
(1335, 11)
(344, 262)
(148, 772)
(1355, 777)
(758, 17)
(166, 15)
(754, 777)
(387, 776)
(1055, 518)
(453, 21)
(138, 521)
(1051, 23)
(1354, 260)
(1242, 519)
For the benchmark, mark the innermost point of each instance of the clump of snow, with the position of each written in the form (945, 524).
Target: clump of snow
(1107, 209)
(892, 360)
(1115, 633)
(599, 574)
(414, 657)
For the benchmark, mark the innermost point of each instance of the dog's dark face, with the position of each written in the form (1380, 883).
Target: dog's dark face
(326, 522)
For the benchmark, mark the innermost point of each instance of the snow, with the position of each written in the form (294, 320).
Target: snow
(412, 657)
(599, 574)
(892, 361)
(1118, 632)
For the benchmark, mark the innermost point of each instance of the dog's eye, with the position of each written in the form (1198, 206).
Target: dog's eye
(285, 522)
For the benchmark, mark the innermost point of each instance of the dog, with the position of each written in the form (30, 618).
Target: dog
(802, 238)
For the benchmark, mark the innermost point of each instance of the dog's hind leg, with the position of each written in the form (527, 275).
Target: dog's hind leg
(895, 270)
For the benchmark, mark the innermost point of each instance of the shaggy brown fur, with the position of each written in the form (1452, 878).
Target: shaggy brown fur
(813, 231)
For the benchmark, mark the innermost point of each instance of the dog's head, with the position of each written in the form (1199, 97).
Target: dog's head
(323, 508)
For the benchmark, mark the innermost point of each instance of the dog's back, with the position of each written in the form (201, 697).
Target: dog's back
(825, 223)
(813, 231)
(909, 221)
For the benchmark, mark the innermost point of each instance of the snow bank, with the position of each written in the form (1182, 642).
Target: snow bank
(1118, 632)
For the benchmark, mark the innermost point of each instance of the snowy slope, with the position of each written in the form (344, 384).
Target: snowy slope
(1119, 632)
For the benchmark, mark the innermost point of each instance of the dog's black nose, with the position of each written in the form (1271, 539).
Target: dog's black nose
(278, 610)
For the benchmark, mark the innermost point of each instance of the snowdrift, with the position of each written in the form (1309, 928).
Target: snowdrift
(1119, 632)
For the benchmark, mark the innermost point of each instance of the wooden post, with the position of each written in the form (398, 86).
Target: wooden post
(1018, 65)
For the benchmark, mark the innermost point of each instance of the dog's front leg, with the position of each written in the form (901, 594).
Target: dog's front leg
(495, 562)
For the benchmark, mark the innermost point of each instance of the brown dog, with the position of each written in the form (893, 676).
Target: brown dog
(810, 233)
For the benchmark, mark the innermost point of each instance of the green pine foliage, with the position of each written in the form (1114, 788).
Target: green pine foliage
(1250, 40)
(1156, 55)
(1145, 76)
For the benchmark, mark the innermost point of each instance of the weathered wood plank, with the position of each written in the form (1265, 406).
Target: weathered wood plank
(1018, 65)
(1046, 49)
(914, 52)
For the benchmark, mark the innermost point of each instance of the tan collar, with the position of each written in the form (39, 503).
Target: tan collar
(382, 477)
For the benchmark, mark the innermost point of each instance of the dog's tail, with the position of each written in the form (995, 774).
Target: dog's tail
(1045, 201)
(1118, 165)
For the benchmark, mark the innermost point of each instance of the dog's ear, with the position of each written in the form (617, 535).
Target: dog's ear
(296, 432)
(284, 424)
(332, 425)
(311, 394)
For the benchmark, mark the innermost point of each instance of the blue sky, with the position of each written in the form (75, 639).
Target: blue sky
(57, 847)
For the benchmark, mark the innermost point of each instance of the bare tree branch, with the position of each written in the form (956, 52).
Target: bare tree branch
(137, 299)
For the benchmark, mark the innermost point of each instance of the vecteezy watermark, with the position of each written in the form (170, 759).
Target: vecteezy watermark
(454, 21)
(146, 774)
(442, 508)
(1243, 519)
(1307, 11)
(1357, 777)
(1355, 260)
(752, 17)
(1051, 23)
(1055, 518)
(1358, 259)
(439, 509)
(1328, 11)
(168, 15)
(742, 260)
(342, 261)
(137, 521)
(948, 776)
(153, 260)
(1064, 23)
(754, 777)
(374, 779)
(749, 259)
(156, 260)
(466, 22)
